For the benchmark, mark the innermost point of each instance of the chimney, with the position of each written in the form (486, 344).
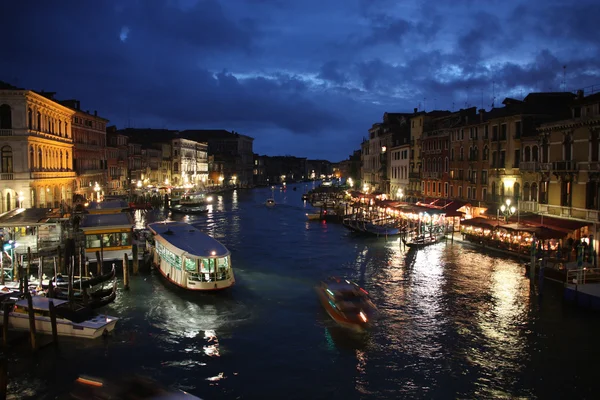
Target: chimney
(580, 94)
(87, 111)
(78, 104)
(481, 114)
(95, 113)
(415, 110)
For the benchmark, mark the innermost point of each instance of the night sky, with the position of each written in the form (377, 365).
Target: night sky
(305, 78)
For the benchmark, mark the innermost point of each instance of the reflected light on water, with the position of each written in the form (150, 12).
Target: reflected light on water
(212, 348)
(362, 381)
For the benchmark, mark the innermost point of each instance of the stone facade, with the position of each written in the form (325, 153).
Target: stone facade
(36, 146)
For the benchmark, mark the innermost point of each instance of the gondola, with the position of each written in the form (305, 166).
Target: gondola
(86, 282)
(96, 299)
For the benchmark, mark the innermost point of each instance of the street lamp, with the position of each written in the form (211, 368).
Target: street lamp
(350, 182)
(507, 210)
(399, 194)
(97, 190)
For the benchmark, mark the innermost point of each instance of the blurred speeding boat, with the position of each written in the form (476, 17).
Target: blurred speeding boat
(347, 303)
(129, 388)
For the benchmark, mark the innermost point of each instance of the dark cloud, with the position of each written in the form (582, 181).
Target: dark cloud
(304, 78)
(330, 71)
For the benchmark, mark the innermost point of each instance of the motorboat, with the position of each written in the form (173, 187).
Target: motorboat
(417, 242)
(127, 387)
(195, 199)
(73, 321)
(183, 209)
(189, 258)
(270, 203)
(347, 303)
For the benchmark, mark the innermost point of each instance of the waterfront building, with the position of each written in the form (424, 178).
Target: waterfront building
(259, 172)
(36, 149)
(459, 165)
(231, 150)
(318, 169)
(116, 160)
(279, 169)
(568, 164)
(399, 165)
(190, 163)
(89, 151)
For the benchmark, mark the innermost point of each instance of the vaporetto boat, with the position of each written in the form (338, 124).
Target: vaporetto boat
(189, 258)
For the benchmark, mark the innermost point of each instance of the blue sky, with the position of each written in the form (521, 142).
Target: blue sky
(305, 78)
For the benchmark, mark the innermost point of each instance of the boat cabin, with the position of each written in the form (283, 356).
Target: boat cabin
(110, 234)
(189, 257)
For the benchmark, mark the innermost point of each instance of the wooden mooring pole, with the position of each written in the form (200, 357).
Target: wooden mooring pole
(6, 309)
(136, 261)
(28, 269)
(60, 259)
(125, 272)
(3, 377)
(31, 314)
(52, 311)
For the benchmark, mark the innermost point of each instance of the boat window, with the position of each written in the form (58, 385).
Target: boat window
(223, 263)
(92, 241)
(168, 256)
(190, 265)
(207, 265)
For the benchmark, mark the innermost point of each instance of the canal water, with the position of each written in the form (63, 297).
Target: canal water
(454, 322)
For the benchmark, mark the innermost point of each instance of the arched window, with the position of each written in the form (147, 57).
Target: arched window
(40, 159)
(517, 190)
(452, 154)
(39, 121)
(534, 156)
(7, 160)
(486, 154)
(31, 158)
(8, 199)
(534, 192)
(60, 161)
(526, 192)
(494, 192)
(67, 165)
(29, 118)
(439, 164)
(502, 190)
(5, 117)
(59, 128)
(447, 166)
(527, 154)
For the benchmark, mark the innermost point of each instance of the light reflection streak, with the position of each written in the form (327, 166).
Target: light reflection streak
(362, 381)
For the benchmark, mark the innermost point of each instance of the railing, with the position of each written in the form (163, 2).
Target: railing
(414, 175)
(32, 132)
(529, 166)
(6, 177)
(564, 165)
(582, 276)
(528, 206)
(573, 212)
(53, 174)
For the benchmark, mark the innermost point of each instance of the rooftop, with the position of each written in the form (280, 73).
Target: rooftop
(188, 239)
(91, 221)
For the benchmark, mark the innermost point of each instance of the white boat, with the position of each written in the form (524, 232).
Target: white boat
(195, 199)
(79, 322)
(271, 201)
(189, 258)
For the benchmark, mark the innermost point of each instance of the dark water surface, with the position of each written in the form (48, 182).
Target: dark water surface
(455, 323)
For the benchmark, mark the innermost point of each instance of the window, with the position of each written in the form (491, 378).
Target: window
(7, 160)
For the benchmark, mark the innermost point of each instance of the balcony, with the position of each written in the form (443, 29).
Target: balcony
(52, 174)
(565, 166)
(546, 167)
(529, 166)
(414, 175)
(32, 132)
(7, 177)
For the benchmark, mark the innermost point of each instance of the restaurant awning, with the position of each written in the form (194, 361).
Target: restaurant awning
(554, 223)
(22, 217)
(480, 223)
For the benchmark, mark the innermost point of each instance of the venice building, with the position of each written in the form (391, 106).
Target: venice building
(36, 150)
